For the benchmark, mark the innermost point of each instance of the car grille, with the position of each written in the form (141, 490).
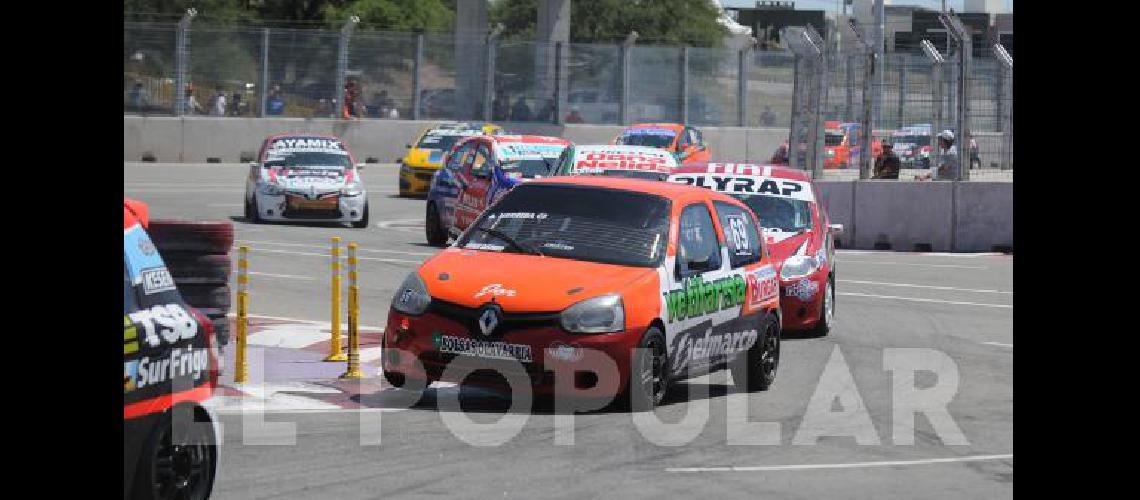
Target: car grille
(484, 371)
(469, 317)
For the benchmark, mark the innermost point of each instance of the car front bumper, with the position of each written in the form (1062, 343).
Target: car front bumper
(275, 208)
(416, 180)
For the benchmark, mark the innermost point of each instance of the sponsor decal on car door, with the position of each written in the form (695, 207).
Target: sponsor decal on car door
(474, 181)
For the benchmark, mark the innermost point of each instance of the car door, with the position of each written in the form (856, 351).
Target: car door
(474, 181)
(704, 297)
(445, 188)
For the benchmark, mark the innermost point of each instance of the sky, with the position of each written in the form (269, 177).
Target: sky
(835, 5)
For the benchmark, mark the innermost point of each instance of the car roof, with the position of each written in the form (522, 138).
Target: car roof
(674, 126)
(529, 139)
(778, 171)
(620, 147)
(304, 134)
(671, 190)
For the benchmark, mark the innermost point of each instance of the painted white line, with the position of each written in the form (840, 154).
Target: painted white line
(325, 256)
(895, 263)
(916, 299)
(931, 287)
(289, 336)
(999, 344)
(225, 205)
(853, 465)
(284, 276)
(370, 354)
(326, 247)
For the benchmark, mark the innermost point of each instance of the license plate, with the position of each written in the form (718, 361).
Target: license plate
(482, 348)
(299, 203)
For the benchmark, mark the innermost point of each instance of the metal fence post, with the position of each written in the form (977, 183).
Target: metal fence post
(626, 49)
(1005, 113)
(342, 63)
(808, 46)
(796, 121)
(417, 63)
(902, 62)
(491, 44)
(558, 83)
(850, 85)
(181, 54)
(685, 84)
(742, 67)
(264, 69)
(866, 149)
(956, 30)
(936, 61)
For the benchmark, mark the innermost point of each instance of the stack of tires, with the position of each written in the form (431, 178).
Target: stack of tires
(197, 254)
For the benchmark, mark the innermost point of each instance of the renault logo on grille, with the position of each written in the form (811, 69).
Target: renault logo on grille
(488, 320)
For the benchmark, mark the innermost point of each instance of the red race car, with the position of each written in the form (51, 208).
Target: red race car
(796, 229)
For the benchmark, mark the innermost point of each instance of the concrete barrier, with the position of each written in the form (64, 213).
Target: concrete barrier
(193, 139)
(926, 216)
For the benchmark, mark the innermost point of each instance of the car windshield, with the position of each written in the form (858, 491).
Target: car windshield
(433, 141)
(575, 222)
(832, 138)
(779, 213)
(308, 159)
(645, 137)
(528, 168)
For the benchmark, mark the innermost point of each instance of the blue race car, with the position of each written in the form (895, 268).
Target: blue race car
(477, 172)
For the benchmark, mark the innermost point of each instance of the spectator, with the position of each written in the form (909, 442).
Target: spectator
(387, 105)
(236, 106)
(139, 97)
(547, 112)
(275, 105)
(520, 112)
(573, 116)
(218, 107)
(767, 117)
(887, 165)
(500, 107)
(192, 106)
(351, 101)
(975, 160)
(945, 165)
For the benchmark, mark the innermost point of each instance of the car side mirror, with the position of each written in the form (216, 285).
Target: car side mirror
(360, 166)
(835, 228)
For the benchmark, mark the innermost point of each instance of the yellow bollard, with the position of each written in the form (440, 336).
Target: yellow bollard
(241, 371)
(335, 353)
(353, 370)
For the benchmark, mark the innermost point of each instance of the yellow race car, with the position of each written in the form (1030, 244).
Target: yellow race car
(426, 154)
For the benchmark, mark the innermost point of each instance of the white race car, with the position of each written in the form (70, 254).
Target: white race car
(305, 177)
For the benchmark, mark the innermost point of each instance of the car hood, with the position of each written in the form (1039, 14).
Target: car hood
(782, 245)
(297, 179)
(420, 157)
(523, 283)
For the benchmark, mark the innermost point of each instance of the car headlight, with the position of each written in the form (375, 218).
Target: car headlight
(798, 266)
(353, 189)
(272, 188)
(602, 314)
(412, 297)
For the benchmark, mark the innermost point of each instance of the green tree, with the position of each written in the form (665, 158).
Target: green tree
(673, 22)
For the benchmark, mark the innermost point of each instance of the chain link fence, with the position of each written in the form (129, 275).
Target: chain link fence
(823, 93)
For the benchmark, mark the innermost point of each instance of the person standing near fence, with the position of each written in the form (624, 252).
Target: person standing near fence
(140, 98)
(218, 107)
(945, 168)
(192, 106)
(887, 165)
(275, 106)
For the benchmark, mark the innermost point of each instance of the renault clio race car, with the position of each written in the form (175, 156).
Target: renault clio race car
(615, 285)
(425, 154)
(685, 143)
(644, 162)
(170, 367)
(479, 171)
(797, 230)
(305, 177)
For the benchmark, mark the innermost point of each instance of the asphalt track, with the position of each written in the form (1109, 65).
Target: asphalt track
(957, 305)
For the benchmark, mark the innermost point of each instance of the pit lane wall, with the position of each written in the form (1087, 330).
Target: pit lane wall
(921, 216)
(195, 139)
(906, 216)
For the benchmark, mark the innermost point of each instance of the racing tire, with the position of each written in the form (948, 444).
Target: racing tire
(198, 269)
(827, 309)
(255, 212)
(395, 379)
(433, 227)
(184, 471)
(247, 210)
(363, 222)
(202, 237)
(648, 374)
(756, 370)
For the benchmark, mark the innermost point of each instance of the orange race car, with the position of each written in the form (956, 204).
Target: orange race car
(592, 286)
(686, 143)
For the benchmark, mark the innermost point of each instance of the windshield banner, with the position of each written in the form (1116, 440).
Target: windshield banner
(748, 184)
